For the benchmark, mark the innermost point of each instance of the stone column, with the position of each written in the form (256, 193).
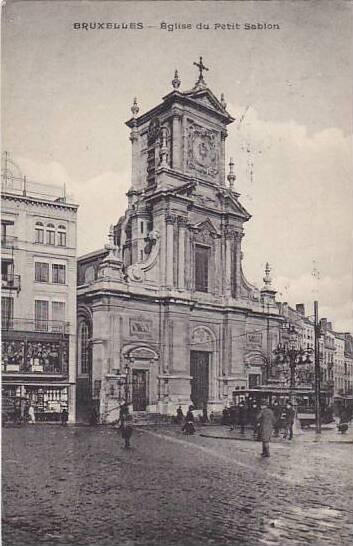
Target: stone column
(182, 222)
(134, 158)
(170, 221)
(228, 259)
(176, 139)
(238, 237)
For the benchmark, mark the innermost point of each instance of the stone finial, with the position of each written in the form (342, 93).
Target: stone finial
(223, 102)
(267, 279)
(176, 81)
(134, 108)
(111, 235)
(231, 176)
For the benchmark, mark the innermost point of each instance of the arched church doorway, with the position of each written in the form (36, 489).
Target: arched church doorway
(201, 369)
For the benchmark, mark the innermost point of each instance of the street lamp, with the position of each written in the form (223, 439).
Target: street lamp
(290, 354)
(127, 369)
(124, 382)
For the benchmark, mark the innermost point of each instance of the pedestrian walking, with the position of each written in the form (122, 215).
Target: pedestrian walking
(179, 416)
(233, 417)
(125, 428)
(289, 421)
(242, 417)
(254, 411)
(31, 415)
(189, 427)
(64, 417)
(225, 416)
(266, 421)
(277, 412)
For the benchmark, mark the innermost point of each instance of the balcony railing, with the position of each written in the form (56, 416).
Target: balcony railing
(28, 325)
(10, 281)
(8, 241)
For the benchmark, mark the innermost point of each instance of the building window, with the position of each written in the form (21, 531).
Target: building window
(41, 315)
(39, 233)
(58, 316)
(141, 227)
(61, 236)
(41, 272)
(6, 313)
(201, 268)
(85, 350)
(50, 234)
(58, 274)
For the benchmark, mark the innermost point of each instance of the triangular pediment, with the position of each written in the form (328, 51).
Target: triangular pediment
(232, 205)
(207, 98)
(206, 225)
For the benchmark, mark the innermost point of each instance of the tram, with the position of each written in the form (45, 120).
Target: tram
(302, 398)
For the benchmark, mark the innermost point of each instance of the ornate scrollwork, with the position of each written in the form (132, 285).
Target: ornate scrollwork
(136, 272)
(182, 221)
(171, 218)
(202, 150)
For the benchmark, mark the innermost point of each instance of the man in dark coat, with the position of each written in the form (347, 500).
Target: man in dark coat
(290, 414)
(125, 420)
(179, 416)
(277, 412)
(233, 414)
(266, 420)
(189, 427)
(242, 416)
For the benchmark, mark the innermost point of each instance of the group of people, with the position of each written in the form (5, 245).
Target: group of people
(242, 415)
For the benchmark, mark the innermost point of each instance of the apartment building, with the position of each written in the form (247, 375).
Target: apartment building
(38, 278)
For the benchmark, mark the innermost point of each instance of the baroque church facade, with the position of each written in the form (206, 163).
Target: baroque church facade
(166, 316)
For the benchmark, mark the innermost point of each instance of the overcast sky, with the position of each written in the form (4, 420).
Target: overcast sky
(67, 93)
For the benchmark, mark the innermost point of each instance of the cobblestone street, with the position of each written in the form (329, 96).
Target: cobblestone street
(77, 485)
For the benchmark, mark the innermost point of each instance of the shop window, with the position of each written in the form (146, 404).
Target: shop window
(58, 274)
(41, 272)
(6, 313)
(201, 268)
(61, 235)
(41, 315)
(39, 233)
(50, 234)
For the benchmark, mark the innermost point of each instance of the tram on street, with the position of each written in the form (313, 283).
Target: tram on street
(303, 400)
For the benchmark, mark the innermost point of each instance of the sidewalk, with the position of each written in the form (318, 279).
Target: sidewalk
(329, 434)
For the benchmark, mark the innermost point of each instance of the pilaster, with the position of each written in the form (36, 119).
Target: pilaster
(170, 222)
(177, 139)
(182, 223)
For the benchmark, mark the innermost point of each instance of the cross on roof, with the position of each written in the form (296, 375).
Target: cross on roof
(201, 67)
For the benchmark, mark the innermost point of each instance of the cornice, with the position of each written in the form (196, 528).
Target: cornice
(37, 201)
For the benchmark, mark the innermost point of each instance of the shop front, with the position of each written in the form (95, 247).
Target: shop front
(48, 402)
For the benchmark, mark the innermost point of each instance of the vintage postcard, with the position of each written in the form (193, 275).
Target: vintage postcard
(176, 273)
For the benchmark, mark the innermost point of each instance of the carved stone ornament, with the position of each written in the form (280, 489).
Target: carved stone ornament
(202, 150)
(230, 232)
(201, 335)
(136, 272)
(140, 327)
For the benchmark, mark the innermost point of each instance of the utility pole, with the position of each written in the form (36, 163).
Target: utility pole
(317, 369)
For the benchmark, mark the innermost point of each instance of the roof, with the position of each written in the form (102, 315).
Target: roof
(200, 99)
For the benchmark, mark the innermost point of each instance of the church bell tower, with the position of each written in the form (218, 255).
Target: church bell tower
(180, 193)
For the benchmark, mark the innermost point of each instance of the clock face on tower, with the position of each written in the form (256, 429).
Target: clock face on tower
(202, 151)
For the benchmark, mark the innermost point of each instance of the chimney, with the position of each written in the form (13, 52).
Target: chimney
(300, 307)
(323, 324)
